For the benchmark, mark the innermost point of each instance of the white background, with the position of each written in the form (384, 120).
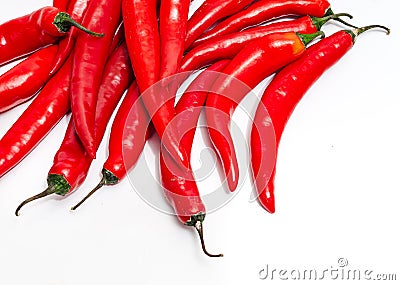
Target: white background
(337, 191)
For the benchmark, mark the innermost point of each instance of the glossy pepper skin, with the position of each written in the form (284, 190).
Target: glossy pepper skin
(143, 40)
(71, 162)
(90, 56)
(279, 100)
(265, 10)
(130, 123)
(26, 34)
(208, 14)
(173, 21)
(249, 67)
(227, 46)
(180, 187)
(128, 137)
(61, 4)
(25, 79)
(77, 9)
(37, 120)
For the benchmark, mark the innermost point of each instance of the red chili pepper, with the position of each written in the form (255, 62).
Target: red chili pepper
(26, 78)
(37, 120)
(61, 4)
(227, 46)
(248, 68)
(208, 14)
(180, 186)
(264, 10)
(90, 56)
(76, 9)
(173, 20)
(26, 34)
(129, 134)
(141, 33)
(71, 162)
(281, 97)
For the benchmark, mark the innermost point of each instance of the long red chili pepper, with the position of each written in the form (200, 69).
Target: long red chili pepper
(128, 136)
(90, 56)
(248, 68)
(77, 9)
(71, 162)
(37, 120)
(281, 97)
(26, 78)
(264, 10)
(26, 34)
(227, 46)
(208, 14)
(180, 186)
(173, 20)
(142, 37)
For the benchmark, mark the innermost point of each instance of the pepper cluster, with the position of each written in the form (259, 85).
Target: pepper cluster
(137, 44)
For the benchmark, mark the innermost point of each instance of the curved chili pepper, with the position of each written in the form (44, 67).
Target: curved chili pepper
(227, 46)
(77, 9)
(281, 97)
(265, 10)
(141, 33)
(248, 68)
(128, 137)
(208, 14)
(180, 186)
(37, 120)
(173, 20)
(71, 162)
(26, 78)
(90, 56)
(26, 34)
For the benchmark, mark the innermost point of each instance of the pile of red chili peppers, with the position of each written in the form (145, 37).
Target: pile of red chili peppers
(85, 56)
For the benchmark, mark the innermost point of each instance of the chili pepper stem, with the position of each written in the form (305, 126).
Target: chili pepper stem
(196, 221)
(50, 190)
(329, 13)
(366, 28)
(57, 184)
(63, 22)
(108, 179)
(100, 185)
(199, 228)
(319, 22)
(355, 32)
(307, 38)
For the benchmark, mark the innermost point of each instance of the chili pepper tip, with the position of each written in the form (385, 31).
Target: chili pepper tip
(47, 192)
